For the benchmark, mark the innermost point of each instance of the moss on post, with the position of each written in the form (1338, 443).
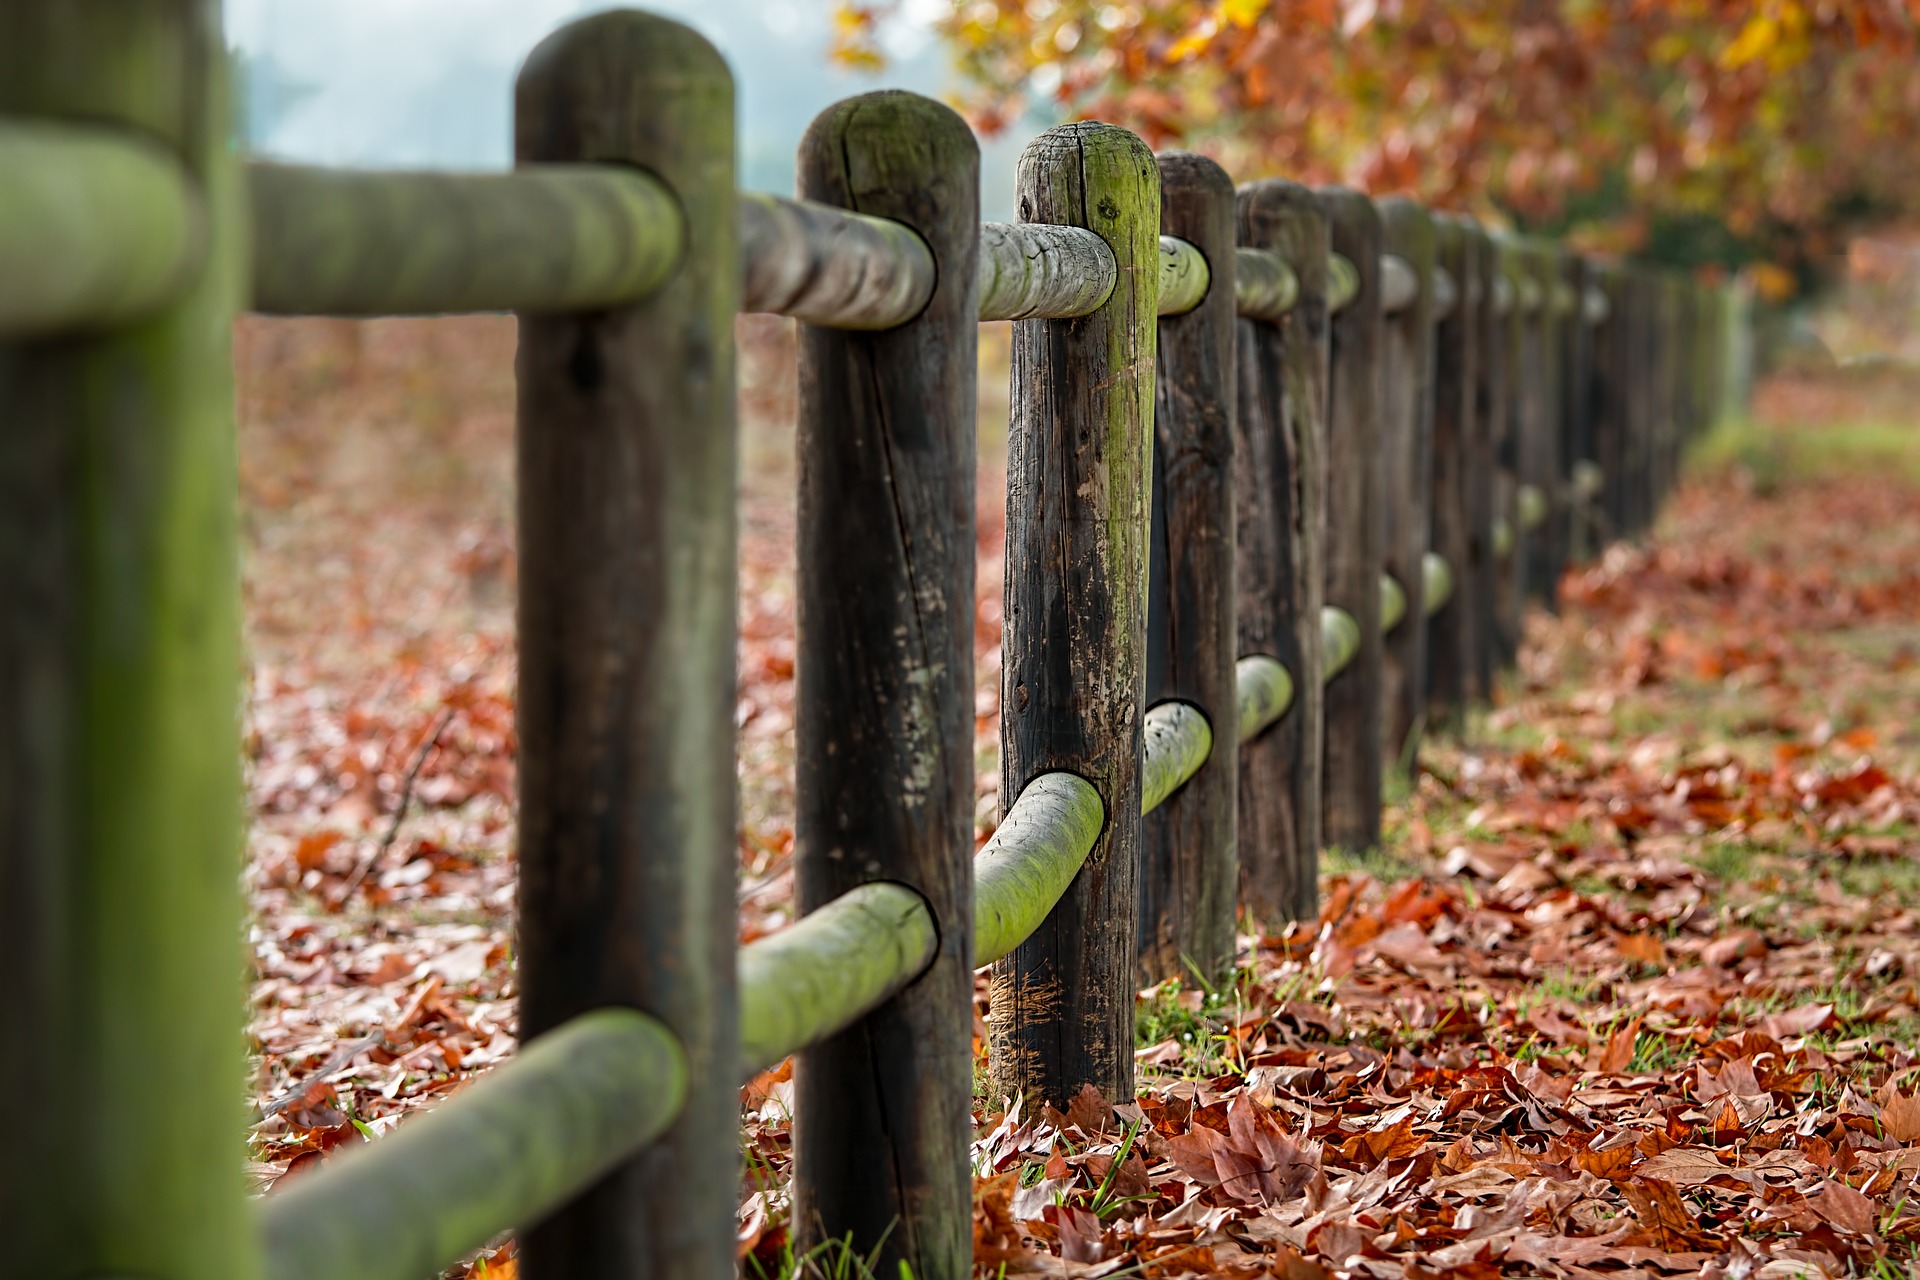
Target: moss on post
(120, 961)
(1078, 471)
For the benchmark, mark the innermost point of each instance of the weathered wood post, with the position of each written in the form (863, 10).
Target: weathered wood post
(1516, 309)
(1477, 295)
(1453, 639)
(884, 701)
(1494, 412)
(1406, 495)
(1540, 467)
(1573, 526)
(1355, 529)
(1279, 506)
(1637, 398)
(1606, 411)
(1078, 470)
(119, 725)
(1189, 865)
(627, 585)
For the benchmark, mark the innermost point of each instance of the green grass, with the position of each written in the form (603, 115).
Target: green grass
(1382, 864)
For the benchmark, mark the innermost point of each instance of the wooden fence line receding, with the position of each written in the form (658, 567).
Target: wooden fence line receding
(1078, 468)
(1268, 446)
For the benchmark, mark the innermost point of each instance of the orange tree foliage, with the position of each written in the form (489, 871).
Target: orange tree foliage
(1772, 123)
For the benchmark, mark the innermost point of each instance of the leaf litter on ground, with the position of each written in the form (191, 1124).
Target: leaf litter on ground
(1630, 989)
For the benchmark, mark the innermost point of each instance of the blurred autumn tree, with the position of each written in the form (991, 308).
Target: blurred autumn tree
(1691, 130)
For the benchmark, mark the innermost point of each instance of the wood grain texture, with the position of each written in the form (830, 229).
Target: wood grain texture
(825, 265)
(1189, 863)
(120, 797)
(1279, 506)
(1355, 531)
(1481, 479)
(1451, 633)
(1406, 498)
(1079, 462)
(628, 576)
(884, 699)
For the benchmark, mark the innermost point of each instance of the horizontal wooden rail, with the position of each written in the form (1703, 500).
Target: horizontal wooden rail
(1502, 296)
(529, 1136)
(1339, 640)
(1594, 305)
(97, 227)
(1178, 741)
(1436, 583)
(1399, 284)
(1184, 276)
(829, 968)
(1343, 282)
(1529, 507)
(829, 266)
(1393, 603)
(543, 238)
(1265, 286)
(1446, 294)
(1036, 271)
(1264, 691)
(1031, 859)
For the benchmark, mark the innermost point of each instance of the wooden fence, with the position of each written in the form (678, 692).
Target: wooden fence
(1284, 467)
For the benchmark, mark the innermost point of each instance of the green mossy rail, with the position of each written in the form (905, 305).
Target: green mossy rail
(1265, 286)
(1393, 603)
(1264, 691)
(98, 227)
(526, 1138)
(541, 238)
(828, 968)
(1529, 507)
(1177, 741)
(1339, 640)
(1343, 282)
(1436, 583)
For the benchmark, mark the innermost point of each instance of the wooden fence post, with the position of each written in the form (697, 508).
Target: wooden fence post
(1541, 376)
(1607, 408)
(1453, 640)
(1189, 865)
(1636, 335)
(1519, 365)
(627, 586)
(119, 727)
(1494, 413)
(1279, 505)
(1574, 529)
(1355, 531)
(884, 703)
(1078, 471)
(1406, 497)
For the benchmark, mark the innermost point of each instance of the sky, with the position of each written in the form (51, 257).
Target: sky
(428, 83)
